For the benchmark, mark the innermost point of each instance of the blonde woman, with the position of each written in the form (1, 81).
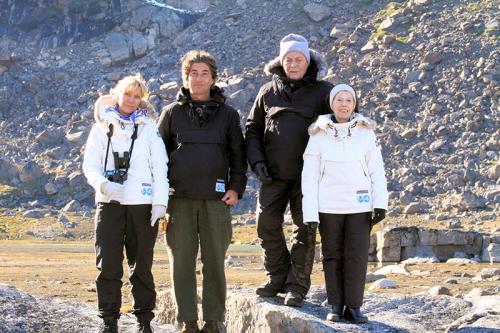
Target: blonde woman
(126, 163)
(345, 191)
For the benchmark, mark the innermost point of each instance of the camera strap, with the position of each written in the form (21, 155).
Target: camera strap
(109, 135)
(134, 136)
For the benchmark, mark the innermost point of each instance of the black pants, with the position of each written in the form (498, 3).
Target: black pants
(286, 270)
(119, 226)
(345, 239)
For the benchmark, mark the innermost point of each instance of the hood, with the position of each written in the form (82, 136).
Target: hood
(316, 70)
(325, 123)
(104, 102)
(216, 95)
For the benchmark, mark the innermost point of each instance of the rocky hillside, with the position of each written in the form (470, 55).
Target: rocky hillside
(427, 72)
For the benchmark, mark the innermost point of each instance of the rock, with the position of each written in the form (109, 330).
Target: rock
(7, 171)
(419, 260)
(374, 277)
(494, 172)
(383, 284)
(71, 206)
(461, 261)
(30, 172)
(393, 269)
(139, 44)
(341, 31)
(412, 208)
(451, 281)
(439, 290)
(317, 12)
(36, 213)
(117, 47)
(463, 201)
(370, 46)
(50, 188)
(494, 252)
(432, 58)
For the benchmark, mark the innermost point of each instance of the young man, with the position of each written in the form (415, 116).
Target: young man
(276, 139)
(207, 173)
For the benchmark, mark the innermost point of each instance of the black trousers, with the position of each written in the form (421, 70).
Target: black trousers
(286, 270)
(119, 226)
(345, 239)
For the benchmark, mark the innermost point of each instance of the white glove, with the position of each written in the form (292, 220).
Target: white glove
(113, 191)
(157, 212)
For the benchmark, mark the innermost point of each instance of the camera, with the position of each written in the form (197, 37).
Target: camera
(116, 176)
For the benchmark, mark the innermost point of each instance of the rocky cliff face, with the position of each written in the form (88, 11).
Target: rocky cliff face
(434, 95)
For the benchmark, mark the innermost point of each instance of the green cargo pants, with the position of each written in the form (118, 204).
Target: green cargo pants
(193, 223)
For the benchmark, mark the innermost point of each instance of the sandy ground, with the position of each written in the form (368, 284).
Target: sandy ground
(66, 270)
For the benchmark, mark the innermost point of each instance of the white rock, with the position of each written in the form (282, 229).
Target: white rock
(392, 269)
(383, 284)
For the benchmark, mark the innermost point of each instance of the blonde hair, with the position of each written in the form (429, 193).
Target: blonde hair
(195, 56)
(133, 82)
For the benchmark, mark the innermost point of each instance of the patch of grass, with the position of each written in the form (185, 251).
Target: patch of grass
(479, 5)
(8, 190)
(390, 9)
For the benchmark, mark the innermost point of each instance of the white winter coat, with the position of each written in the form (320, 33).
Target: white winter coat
(343, 169)
(147, 181)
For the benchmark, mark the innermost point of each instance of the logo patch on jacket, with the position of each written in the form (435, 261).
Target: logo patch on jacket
(220, 186)
(363, 198)
(146, 189)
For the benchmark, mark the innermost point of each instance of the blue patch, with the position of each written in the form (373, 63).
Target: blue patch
(147, 191)
(220, 186)
(363, 198)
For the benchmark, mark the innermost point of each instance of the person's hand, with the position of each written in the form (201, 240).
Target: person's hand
(113, 191)
(312, 225)
(262, 173)
(157, 212)
(378, 215)
(230, 198)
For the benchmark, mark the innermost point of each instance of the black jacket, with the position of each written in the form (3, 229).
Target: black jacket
(276, 128)
(206, 157)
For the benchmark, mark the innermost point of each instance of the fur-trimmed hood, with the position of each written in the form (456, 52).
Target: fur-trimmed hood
(325, 123)
(317, 67)
(102, 115)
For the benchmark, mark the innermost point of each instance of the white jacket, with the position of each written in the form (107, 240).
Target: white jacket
(343, 169)
(147, 181)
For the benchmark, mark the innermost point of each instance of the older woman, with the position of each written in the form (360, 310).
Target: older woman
(126, 163)
(345, 191)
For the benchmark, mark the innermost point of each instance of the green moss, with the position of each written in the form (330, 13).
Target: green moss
(390, 9)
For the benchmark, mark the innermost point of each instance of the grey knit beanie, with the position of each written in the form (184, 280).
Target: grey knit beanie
(293, 42)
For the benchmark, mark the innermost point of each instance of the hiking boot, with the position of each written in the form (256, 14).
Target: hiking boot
(293, 298)
(336, 314)
(143, 327)
(212, 326)
(268, 290)
(190, 327)
(354, 315)
(108, 325)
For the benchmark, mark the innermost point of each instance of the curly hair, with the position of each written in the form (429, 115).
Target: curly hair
(195, 56)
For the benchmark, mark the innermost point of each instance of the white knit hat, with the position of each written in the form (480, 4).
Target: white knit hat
(342, 87)
(293, 42)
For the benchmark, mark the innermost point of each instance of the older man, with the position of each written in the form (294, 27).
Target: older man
(276, 135)
(207, 173)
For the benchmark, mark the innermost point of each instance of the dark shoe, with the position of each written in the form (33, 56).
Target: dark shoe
(143, 327)
(336, 314)
(268, 290)
(108, 325)
(190, 327)
(293, 298)
(354, 315)
(212, 326)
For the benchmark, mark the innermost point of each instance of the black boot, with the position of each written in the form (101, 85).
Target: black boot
(354, 315)
(268, 290)
(109, 325)
(143, 327)
(337, 312)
